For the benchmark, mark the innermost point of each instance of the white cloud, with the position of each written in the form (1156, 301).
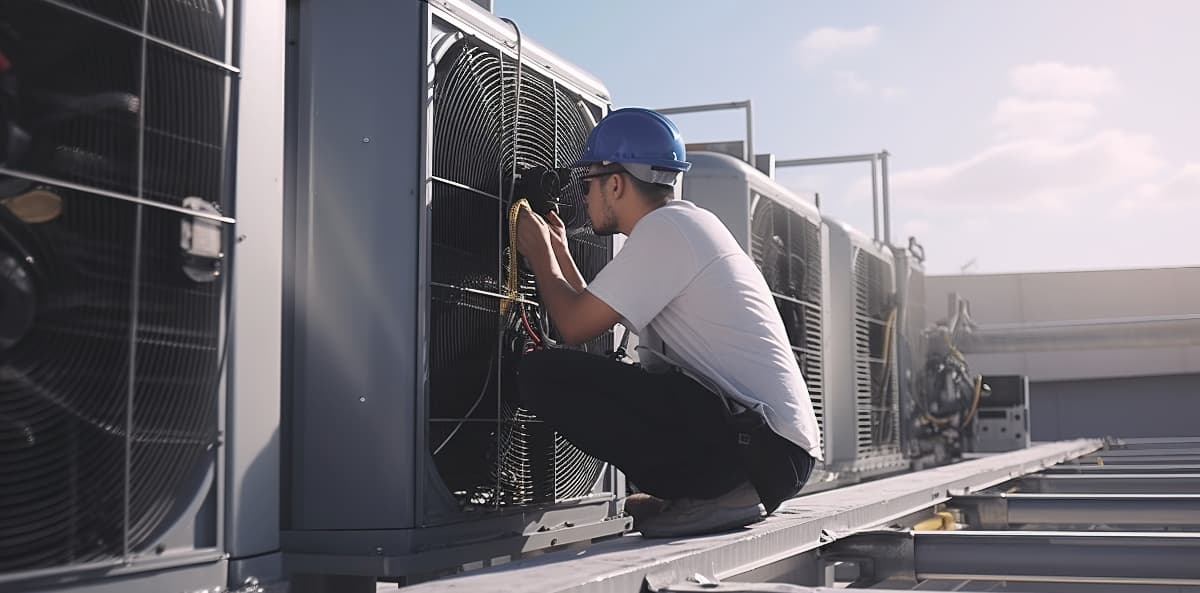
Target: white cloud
(821, 44)
(1033, 174)
(1175, 194)
(1058, 80)
(849, 82)
(1016, 117)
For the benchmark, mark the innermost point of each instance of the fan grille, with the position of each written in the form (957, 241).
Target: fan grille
(876, 399)
(109, 404)
(488, 450)
(787, 249)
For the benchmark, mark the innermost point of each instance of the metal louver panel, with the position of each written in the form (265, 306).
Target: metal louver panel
(876, 397)
(787, 249)
(109, 400)
(489, 452)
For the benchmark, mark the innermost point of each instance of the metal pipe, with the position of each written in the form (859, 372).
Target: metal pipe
(1039, 556)
(887, 201)
(749, 133)
(875, 195)
(746, 105)
(827, 160)
(1112, 483)
(1104, 509)
(1084, 509)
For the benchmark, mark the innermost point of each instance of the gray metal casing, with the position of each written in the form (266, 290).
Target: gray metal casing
(227, 528)
(1003, 423)
(911, 346)
(728, 187)
(364, 494)
(841, 405)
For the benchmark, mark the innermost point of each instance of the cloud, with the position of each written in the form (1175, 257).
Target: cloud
(1032, 174)
(1016, 117)
(821, 44)
(849, 82)
(1176, 193)
(1058, 80)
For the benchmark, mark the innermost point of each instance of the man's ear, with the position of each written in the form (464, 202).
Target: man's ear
(621, 186)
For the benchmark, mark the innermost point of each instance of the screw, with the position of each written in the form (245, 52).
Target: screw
(362, 399)
(378, 550)
(241, 238)
(366, 140)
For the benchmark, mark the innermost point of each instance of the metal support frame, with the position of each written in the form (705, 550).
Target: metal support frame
(1058, 557)
(1125, 483)
(745, 105)
(999, 511)
(879, 177)
(801, 525)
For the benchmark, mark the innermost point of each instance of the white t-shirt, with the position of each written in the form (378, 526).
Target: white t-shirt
(682, 280)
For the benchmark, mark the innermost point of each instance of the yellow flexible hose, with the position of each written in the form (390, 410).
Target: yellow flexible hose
(510, 289)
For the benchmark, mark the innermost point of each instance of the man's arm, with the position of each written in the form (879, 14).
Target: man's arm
(558, 241)
(567, 265)
(577, 313)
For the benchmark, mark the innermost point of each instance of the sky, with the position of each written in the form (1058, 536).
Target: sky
(1024, 135)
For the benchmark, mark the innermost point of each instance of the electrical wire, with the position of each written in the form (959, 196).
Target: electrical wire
(975, 404)
(487, 380)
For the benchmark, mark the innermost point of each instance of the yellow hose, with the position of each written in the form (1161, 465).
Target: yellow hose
(510, 289)
(940, 521)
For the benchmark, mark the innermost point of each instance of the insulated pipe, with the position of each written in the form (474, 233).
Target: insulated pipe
(749, 149)
(875, 195)
(887, 201)
(878, 166)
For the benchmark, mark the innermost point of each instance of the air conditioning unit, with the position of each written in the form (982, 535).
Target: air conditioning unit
(409, 449)
(117, 439)
(783, 233)
(862, 393)
(912, 350)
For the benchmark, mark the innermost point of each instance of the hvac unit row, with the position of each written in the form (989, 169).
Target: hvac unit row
(834, 289)
(115, 218)
(409, 449)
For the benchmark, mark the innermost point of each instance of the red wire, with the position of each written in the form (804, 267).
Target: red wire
(529, 328)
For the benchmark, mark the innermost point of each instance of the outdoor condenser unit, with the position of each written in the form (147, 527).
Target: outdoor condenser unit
(861, 407)
(116, 206)
(783, 234)
(911, 348)
(410, 451)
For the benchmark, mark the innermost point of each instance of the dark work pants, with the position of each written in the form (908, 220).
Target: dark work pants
(671, 436)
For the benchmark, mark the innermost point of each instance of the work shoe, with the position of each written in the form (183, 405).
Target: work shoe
(642, 506)
(694, 516)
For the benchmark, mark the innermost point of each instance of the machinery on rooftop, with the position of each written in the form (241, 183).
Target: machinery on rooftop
(410, 452)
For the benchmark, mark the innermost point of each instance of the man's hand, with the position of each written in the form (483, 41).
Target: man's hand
(558, 230)
(533, 235)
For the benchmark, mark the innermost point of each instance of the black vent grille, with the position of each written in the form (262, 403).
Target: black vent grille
(787, 249)
(876, 397)
(109, 400)
(489, 451)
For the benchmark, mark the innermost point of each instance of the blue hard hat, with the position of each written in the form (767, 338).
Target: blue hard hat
(636, 135)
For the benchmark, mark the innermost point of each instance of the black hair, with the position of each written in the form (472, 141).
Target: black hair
(656, 192)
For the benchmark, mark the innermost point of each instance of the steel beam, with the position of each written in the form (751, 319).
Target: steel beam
(1140, 452)
(1112, 484)
(1001, 510)
(1192, 458)
(800, 525)
(1165, 468)
(1062, 557)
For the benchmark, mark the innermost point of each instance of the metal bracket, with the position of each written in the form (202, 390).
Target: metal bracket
(880, 556)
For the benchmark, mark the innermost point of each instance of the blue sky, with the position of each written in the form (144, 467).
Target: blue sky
(1025, 136)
